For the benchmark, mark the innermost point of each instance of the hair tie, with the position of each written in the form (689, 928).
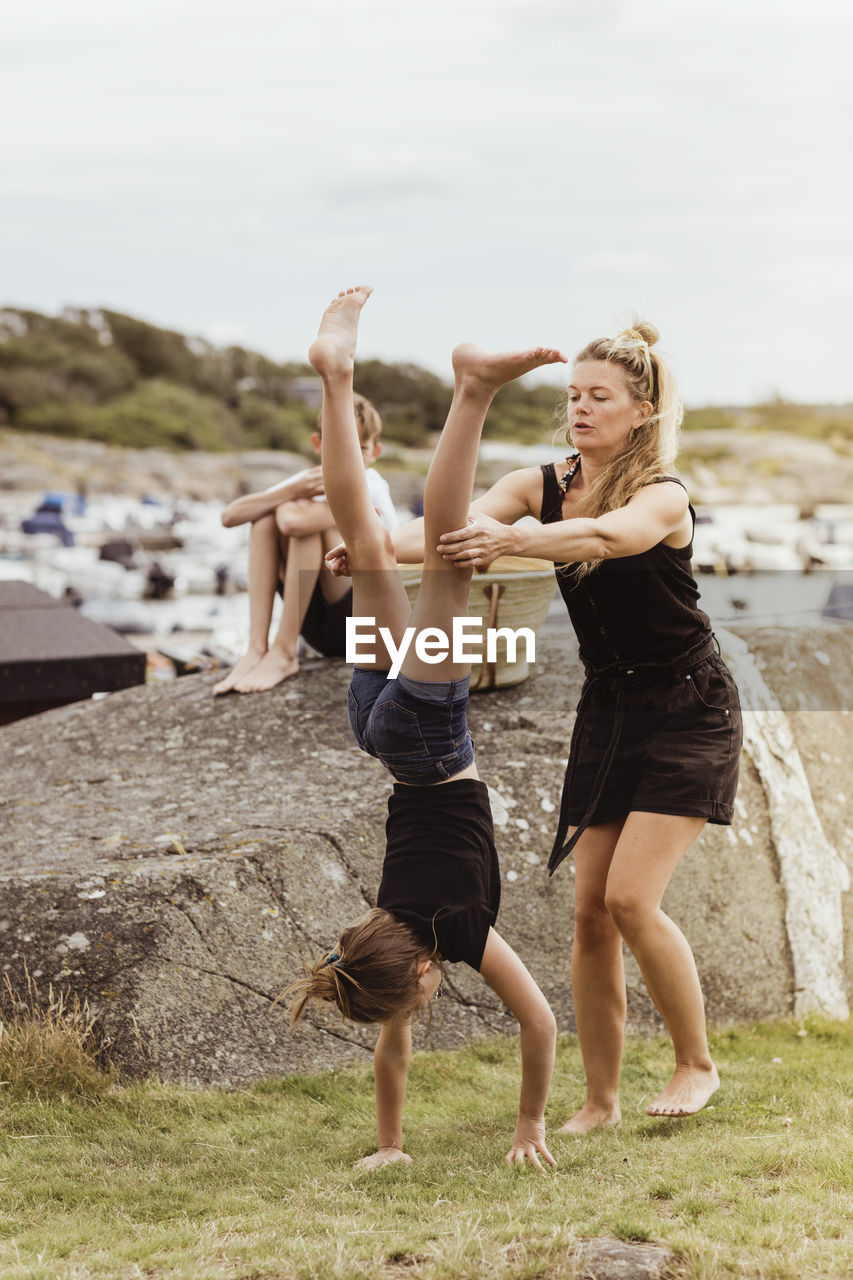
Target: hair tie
(330, 959)
(635, 336)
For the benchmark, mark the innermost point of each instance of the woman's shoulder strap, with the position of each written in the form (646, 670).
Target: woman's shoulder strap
(554, 490)
(552, 499)
(670, 479)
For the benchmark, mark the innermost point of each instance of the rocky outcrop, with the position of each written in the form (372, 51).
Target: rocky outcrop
(172, 857)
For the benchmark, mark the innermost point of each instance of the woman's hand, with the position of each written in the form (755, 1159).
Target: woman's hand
(528, 1143)
(477, 545)
(385, 1155)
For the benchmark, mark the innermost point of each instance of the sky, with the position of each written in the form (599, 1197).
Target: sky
(512, 172)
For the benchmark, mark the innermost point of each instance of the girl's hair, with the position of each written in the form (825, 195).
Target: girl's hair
(653, 446)
(371, 975)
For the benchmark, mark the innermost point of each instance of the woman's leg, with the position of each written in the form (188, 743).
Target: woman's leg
(443, 594)
(378, 592)
(649, 849)
(598, 981)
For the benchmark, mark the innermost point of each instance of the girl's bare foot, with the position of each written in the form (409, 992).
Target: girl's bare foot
(333, 350)
(274, 666)
(386, 1155)
(687, 1092)
(476, 368)
(591, 1117)
(238, 672)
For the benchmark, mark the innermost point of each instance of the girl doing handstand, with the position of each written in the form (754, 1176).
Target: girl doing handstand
(440, 887)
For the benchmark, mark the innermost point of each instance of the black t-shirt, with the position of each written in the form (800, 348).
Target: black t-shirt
(441, 875)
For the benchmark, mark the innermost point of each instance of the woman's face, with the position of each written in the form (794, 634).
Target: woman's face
(601, 409)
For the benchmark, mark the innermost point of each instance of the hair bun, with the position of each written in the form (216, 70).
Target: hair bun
(641, 331)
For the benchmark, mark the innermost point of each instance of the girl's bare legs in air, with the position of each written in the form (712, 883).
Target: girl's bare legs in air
(377, 589)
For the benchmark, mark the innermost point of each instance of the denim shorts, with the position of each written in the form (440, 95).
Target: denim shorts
(417, 728)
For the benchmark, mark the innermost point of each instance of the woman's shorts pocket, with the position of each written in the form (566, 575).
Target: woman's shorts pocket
(713, 689)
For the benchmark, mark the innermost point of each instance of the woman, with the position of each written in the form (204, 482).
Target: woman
(440, 888)
(656, 743)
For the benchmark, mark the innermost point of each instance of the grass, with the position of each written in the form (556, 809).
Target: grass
(103, 1179)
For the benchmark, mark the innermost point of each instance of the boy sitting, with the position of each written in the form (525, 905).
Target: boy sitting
(292, 529)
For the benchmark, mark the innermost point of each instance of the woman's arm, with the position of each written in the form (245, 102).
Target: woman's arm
(391, 1059)
(513, 496)
(653, 513)
(511, 982)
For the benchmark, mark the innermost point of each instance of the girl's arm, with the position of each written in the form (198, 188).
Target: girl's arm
(511, 982)
(652, 515)
(391, 1059)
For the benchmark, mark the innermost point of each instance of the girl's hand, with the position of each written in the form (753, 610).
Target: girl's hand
(477, 545)
(385, 1155)
(528, 1143)
(337, 561)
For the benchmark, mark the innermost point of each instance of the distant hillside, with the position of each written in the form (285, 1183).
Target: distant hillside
(101, 375)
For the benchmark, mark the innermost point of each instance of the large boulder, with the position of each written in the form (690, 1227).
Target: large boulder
(172, 857)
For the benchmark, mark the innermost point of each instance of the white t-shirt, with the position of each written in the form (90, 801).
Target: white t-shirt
(377, 487)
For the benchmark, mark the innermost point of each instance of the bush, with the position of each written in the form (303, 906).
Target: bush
(49, 1046)
(710, 419)
(160, 414)
(269, 426)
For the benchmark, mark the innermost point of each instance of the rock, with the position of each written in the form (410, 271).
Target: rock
(172, 856)
(618, 1260)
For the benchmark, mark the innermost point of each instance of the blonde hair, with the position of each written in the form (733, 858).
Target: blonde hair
(372, 974)
(653, 446)
(367, 420)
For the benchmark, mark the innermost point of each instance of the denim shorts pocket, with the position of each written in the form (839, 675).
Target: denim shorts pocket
(353, 716)
(394, 732)
(712, 689)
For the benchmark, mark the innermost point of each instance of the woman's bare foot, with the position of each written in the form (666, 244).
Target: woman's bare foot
(591, 1117)
(687, 1092)
(333, 350)
(386, 1155)
(478, 369)
(274, 666)
(239, 672)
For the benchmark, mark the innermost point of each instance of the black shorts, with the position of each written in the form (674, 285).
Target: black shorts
(324, 625)
(677, 746)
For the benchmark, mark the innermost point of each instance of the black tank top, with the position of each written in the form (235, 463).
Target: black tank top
(633, 609)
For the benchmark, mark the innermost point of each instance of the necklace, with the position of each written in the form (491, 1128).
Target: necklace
(573, 468)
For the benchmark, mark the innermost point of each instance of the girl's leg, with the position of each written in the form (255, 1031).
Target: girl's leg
(443, 594)
(266, 556)
(649, 849)
(598, 981)
(378, 592)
